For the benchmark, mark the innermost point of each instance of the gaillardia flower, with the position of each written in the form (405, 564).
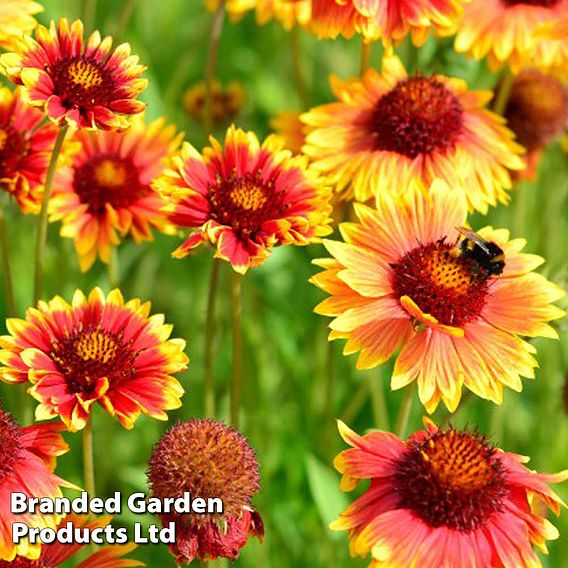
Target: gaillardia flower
(95, 350)
(27, 461)
(25, 150)
(405, 278)
(443, 497)
(86, 85)
(387, 130)
(226, 101)
(16, 19)
(211, 461)
(56, 554)
(288, 126)
(389, 20)
(105, 193)
(288, 12)
(537, 112)
(236, 9)
(245, 198)
(508, 32)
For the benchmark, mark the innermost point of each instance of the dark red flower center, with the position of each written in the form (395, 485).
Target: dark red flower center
(543, 3)
(537, 109)
(12, 147)
(452, 479)
(209, 460)
(246, 202)
(10, 445)
(420, 115)
(108, 180)
(90, 353)
(20, 562)
(442, 282)
(82, 83)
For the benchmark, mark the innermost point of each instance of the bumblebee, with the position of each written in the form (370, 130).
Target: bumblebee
(488, 258)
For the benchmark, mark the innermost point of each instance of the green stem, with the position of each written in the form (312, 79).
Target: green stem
(216, 29)
(298, 72)
(88, 459)
(380, 410)
(114, 269)
(124, 18)
(503, 92)
(404, 411)
(356, 403)
(11, 310)
(42, 224)
(237, 374)
(209, 383)
(89, 13)
(365, 57)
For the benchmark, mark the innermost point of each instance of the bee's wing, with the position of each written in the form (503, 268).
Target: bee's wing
(473, 236)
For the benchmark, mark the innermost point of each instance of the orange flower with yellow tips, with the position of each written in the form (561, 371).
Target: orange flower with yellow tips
(443, 497)
(403, 281)
(95, 350)
(27, 461)
(388, 20)
(16, 20)
(105, 193)
(509, 32)
(245, 198)
(83, 84)
(388, 130)
(25, 148)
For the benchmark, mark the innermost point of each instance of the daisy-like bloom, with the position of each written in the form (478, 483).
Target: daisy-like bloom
(288, 126)
(226, 101)
(56, 554)
(209, 460)
(25, 150)
(509, 32)
(83, 84)
(390, 129)
(95, 350)
(389, 20)
(287, 12)
(402, 280)
(27, 461)
(537, 112)
(106, 194)
(443, 497)
(245, 198)
(16, 19)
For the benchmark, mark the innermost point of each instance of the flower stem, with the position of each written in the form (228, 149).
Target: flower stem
(124, 17)
(114, 269)
(380, 410)
(404, 411)
(365, 57)
(503, 92)
(216, 29)
(209, 383)
(299, 78)
(42, 225)
(89, 13)
(88, 460)
(237, 376)
(11, 310)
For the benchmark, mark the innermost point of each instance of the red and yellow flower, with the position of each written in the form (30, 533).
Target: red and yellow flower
(95, 350)
(16, 20)
(83, 84)
(25, 150)
(509, 32)
(389, 20)
(105, 194)
(288, 12)
(208, 460)
(399, 281)
(56, 554)
(245, 198)
(225, 105)
(443, 497)
(27, 461)
(389, 129)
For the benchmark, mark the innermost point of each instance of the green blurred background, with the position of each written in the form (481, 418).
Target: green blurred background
(295, 386)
